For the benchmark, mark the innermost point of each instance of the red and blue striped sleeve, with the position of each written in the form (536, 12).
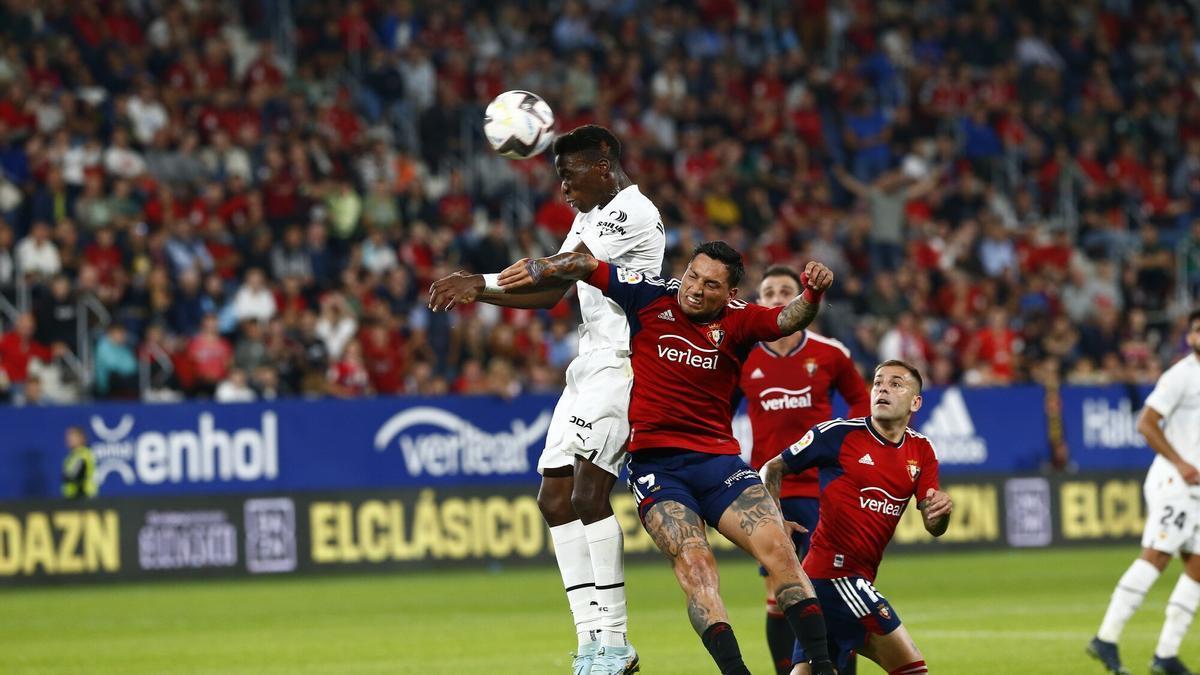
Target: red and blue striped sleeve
(630, 289)
(818, 447)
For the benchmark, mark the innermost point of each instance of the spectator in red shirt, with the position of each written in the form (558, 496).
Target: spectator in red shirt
(210, 356)
(18, 347)
(454, 209)
(995, 350)
(348, 377)
(384, 352)
(104, 255)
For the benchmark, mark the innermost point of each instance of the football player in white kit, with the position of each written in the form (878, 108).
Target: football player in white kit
(1172, 492)
(585, 445)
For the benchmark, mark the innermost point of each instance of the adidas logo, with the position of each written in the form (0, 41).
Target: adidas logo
(757, 374)
(666, 316)
(952, 432)
(866, 459)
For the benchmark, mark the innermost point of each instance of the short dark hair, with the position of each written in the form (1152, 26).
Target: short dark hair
(1193, 317)
(719, 250)
(593, 139)
(783, 271)
(912, 370)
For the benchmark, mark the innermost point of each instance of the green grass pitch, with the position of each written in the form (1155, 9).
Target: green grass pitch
(974, 614)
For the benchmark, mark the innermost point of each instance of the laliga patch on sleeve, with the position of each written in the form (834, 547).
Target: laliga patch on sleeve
(799, 446)
(628, 276)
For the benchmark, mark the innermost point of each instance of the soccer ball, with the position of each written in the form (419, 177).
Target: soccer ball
(518, 124)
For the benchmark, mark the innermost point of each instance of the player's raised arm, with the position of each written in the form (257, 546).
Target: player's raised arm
(541, 272)
(800, 312)
(462, 288)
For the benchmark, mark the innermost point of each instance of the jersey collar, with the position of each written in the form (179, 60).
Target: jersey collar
(793, 351)
(879, 437)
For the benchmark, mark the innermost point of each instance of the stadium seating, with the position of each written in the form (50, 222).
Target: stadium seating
(259, 194)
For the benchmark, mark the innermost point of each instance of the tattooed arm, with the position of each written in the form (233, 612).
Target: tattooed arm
(772, 477)
(800, 312)
(462, 288)
(540, 272)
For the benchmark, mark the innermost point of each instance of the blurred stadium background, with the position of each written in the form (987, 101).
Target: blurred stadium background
(218, 222)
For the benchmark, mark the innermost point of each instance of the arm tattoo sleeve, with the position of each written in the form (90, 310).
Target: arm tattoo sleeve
(570, 266)
(772, 478)
(797, 315)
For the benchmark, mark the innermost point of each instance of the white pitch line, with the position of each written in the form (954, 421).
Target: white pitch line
(1045, 635)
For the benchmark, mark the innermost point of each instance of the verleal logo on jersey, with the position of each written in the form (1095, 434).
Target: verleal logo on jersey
(878, 500)
(678, 349)
(952, 432)
(436, 442)
(202, 455)
(805, 441)
(778, 398)
(628, 276)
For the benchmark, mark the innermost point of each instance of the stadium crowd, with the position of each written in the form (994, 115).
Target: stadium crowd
(237, 201)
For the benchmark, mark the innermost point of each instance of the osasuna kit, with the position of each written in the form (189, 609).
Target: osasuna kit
(591, 418)
(793, 391)
(866, 483)
(681, 444)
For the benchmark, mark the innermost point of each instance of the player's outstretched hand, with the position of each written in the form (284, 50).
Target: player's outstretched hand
(936, 504)
(794, 528)
(817, 278)
(1190, 474)
(517, 275)
(459, 288)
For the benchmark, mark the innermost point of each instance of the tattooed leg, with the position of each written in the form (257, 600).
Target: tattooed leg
(679, 534)
(753, 522)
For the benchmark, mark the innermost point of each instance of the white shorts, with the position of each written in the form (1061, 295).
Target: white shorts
(591, 420)
(1172, 517)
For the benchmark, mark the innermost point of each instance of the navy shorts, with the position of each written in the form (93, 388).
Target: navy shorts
(853, 610)
(706, 484)
(802, 510)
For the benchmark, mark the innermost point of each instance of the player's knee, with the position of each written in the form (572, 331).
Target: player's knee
(1157, 558)
(589, 503)
(556, 507)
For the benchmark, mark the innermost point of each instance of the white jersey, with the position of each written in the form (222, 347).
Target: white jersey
(628, 232)
(1176, 397)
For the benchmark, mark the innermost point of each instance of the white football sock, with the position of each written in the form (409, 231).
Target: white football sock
(1181, 607)
(1126, 598)
(575, 565)
(606, 543)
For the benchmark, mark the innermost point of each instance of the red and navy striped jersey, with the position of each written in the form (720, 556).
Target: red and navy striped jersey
(684, 373)
(787, 393)
(866, 482)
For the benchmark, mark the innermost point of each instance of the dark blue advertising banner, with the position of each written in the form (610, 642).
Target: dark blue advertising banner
(1100, 424)
(196, 448)
(447, 442)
